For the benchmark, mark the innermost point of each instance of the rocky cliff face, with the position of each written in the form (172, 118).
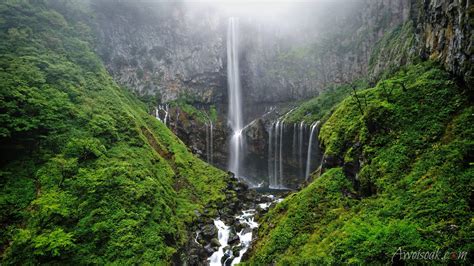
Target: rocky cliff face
(444, 33)
(333, 50)
(172, 49)
(175, 49)
(160, 49)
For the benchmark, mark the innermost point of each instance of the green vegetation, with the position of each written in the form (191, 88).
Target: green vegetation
(320, 108)
(192, 111)
(413, 191)
(87, 176)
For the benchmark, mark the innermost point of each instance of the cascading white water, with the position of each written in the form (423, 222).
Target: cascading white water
(300, 146)
(280, 180)
(275, 155)
(308, 159)
(245, 238)
(161, 113)
(295, 141)
(235, 100)
(273, 182)
(245, 234)
(223, 232)
(270, 154)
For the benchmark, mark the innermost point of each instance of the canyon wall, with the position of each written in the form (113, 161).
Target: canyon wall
(444, 33)
(161, 49)
(172, 49)
(168, 50)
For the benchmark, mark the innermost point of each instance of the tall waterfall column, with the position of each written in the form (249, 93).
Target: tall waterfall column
(235, 98)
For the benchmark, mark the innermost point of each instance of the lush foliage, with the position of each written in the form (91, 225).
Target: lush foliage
(414, 138)
(87, 176)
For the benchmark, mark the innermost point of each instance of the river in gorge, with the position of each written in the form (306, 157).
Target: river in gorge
(235, 239)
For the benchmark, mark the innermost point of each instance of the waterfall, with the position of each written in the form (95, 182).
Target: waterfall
(273, 183)
(294, 142)
(308, 159)
(275, 155)
(270, 154)
(161, 113)
(300, 147)
(280, 181)
(165, 120)
(235, 100)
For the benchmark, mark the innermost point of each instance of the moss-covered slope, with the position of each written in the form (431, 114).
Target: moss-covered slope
(414, 142)
(87, 176)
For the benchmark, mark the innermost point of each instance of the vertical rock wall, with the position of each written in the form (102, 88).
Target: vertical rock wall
(444, 32)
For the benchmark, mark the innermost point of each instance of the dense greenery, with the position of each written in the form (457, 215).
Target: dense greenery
(87, 176)
(414, 139)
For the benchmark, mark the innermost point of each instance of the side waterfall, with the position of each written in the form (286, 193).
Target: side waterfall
(161, 113)
(280, 176)
(305, 158)
(271, 173)
(300, 146)
(308, 159)
(275, 155)
(235, 100)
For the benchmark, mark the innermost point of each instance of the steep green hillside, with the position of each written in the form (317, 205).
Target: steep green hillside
(412, 135)
(87, 176)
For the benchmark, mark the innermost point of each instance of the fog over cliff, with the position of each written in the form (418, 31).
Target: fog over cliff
(289, 50)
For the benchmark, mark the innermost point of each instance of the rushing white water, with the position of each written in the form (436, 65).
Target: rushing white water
(235, 98)
(275, 156)
(273, 181)
(295, 141)
(308, 159)
(245, 235)
(300, 147)
(223, 232)
(280, 176)
(162, 112)
(270, 154)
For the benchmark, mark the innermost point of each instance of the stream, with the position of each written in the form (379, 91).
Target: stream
(230, 253)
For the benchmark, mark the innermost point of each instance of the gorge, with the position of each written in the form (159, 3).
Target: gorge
(236, 132)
